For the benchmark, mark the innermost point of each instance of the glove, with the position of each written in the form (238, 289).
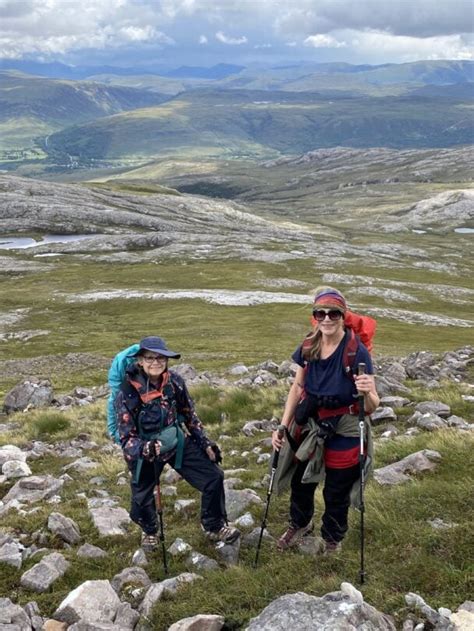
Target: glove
(151, 449)
(217, 452)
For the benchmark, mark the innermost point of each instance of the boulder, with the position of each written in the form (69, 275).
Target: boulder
(41, 576)
(169, 586)
(13, 616)
(91, 602)
(64, 527)
(28, 394)
(337, 610)
(11, 453)
(433, 407)
(201, 622)
(110, 521)
(396, 473)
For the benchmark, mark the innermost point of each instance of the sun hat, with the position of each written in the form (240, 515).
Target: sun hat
(155, 345)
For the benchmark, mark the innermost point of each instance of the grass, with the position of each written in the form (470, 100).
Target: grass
(432, 563)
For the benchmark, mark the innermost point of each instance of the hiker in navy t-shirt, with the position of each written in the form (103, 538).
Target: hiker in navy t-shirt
(321, 422)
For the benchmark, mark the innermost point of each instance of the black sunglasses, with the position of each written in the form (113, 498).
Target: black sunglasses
(332, 314)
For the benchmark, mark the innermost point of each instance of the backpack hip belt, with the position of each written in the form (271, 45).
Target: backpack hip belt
(346, 409)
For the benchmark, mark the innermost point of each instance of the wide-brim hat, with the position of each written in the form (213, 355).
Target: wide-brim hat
(155, 345)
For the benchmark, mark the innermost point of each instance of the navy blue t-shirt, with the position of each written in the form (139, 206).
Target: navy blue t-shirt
(325, 377)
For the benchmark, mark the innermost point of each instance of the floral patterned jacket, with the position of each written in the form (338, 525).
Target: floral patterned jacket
(165, 403)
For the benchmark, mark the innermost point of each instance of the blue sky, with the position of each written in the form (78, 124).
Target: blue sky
(205, 32)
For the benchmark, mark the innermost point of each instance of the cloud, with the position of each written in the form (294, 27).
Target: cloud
(202, 39)
(323, 41)
(232, 41)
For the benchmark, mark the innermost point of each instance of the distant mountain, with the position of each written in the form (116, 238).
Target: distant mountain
(33, 106)
(219, 71)
(56, 70)
(251, 123)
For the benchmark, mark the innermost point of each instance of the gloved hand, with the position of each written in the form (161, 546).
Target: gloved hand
(214, 453)
(151, 449)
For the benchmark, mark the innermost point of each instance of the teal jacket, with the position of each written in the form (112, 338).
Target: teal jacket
(117, 371)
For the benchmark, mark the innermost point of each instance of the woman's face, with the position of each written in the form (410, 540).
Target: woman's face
(330, 321)
(152, 364)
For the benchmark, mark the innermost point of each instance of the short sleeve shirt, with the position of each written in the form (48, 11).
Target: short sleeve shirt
(325, 377)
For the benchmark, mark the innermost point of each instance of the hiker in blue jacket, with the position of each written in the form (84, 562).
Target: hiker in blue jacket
(157, 424)
(321, 423)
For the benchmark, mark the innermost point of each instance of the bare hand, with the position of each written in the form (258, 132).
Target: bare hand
(278, 439)
(210, 453)
(364, 383)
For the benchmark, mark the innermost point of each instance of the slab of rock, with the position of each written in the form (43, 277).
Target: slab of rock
(13, 616)
(428, 421)
(434, 407)
(394, 401)
(135, 575)
(91, 602)
(179, 547)
(229, 552)
(383, 415)
(41, 576)
(184, 507)
(28, 394)
(15, 469)
(64, 527)
(33, 489)
(169, 586)
(332, 611)
(10, 553)
(396, 473)
(198, 561)
(250, 428)
(11, 452)
(89, 551)
(110, 521)
(201, 622)
(238, 501)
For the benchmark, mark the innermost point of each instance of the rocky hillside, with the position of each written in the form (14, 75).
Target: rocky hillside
(71, 550)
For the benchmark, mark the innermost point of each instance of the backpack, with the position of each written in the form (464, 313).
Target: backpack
(116, 376)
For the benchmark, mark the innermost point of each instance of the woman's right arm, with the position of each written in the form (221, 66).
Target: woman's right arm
(131, 444)
(292, 400)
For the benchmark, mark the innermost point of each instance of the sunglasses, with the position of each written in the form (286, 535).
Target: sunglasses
(332, 314)
(149, 359)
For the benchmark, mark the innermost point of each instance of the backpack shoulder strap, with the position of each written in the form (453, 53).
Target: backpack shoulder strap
(132, 400)
(349, 353)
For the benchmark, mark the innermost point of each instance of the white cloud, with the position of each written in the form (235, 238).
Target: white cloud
(202, 39)
(232, 41)
(323, 41)
(407, 49)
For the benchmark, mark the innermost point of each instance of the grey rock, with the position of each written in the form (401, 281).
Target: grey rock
(252, 538)
(179, 547)
(201, 622)
(263, 458)
(439, 524)
(134, 575)
(429, 421)
(139, 558)
(457, 421)
(238, 501)
(332, 611)
(11, 452)
(387, 386)
(421, 365)
(197, 561)
(28, 394)
(433, 407)
(169, 586)
(13, 616)
(91, 602)
(126, 617)
(238, 369)
(15, 469)
(41, 576)
(169, 491)
(416, 602)
(110, 521)
(170, 476)
(382, 415)
(32, 489)
(245, 521)
(229, 553)
(81, 465)
(417, 462)
(394, 401)
(33, 612)
(184, 507)
(264, 425)
(88, 551)
(10, 553)
(64, 527)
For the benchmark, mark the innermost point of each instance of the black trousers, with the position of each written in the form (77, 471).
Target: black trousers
(201, 473)
(336, 495)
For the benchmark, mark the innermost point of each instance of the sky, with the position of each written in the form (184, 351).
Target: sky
(148, 33)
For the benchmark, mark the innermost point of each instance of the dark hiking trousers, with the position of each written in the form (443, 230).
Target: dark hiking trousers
(336, 494)
(201, 473)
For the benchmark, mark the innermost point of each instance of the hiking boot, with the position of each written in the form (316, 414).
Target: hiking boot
(332, 547)
(226, 534)
(293, 536)
(149, 542)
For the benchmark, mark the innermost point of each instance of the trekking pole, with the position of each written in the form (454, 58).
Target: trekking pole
(276, 454)
(361, 371)
(159, 512)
